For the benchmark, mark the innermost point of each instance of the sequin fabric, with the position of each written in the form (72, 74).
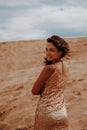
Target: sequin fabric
(51, 111)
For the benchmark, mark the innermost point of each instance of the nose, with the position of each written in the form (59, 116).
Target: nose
(47, 52)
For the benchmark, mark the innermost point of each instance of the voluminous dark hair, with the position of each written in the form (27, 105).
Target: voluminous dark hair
(60, 44)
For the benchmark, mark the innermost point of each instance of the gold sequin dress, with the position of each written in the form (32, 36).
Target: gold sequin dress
(51, 112)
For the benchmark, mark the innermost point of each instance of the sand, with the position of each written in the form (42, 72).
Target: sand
(20, 64)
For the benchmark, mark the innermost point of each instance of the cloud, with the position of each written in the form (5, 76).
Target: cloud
(38, 3)
(27, 20)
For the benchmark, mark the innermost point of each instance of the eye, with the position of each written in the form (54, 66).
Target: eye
(52, 50)
(46, 49)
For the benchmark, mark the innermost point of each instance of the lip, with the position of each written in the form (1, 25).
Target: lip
(49, 57)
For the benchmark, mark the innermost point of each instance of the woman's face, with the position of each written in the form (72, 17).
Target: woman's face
(52, 53)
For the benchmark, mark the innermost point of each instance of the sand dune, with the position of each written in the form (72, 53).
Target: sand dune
(20, 65)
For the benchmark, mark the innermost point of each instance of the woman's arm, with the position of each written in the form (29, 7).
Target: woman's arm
(44, 75)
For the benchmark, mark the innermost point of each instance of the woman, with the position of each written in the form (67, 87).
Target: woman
(51, 111)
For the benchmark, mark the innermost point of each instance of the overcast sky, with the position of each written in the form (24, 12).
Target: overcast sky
(38, 19)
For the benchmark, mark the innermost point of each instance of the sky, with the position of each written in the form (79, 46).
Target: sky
(39, 19)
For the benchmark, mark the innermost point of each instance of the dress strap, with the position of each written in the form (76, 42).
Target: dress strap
(62, 67)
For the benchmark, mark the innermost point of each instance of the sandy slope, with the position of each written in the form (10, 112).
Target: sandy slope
(20, 64)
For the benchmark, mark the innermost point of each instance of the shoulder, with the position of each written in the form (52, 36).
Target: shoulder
(49, 69)
(62, 67)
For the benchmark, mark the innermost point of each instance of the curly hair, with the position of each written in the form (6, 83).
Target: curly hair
(60, 44)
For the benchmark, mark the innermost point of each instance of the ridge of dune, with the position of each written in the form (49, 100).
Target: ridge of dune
(20, 65)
